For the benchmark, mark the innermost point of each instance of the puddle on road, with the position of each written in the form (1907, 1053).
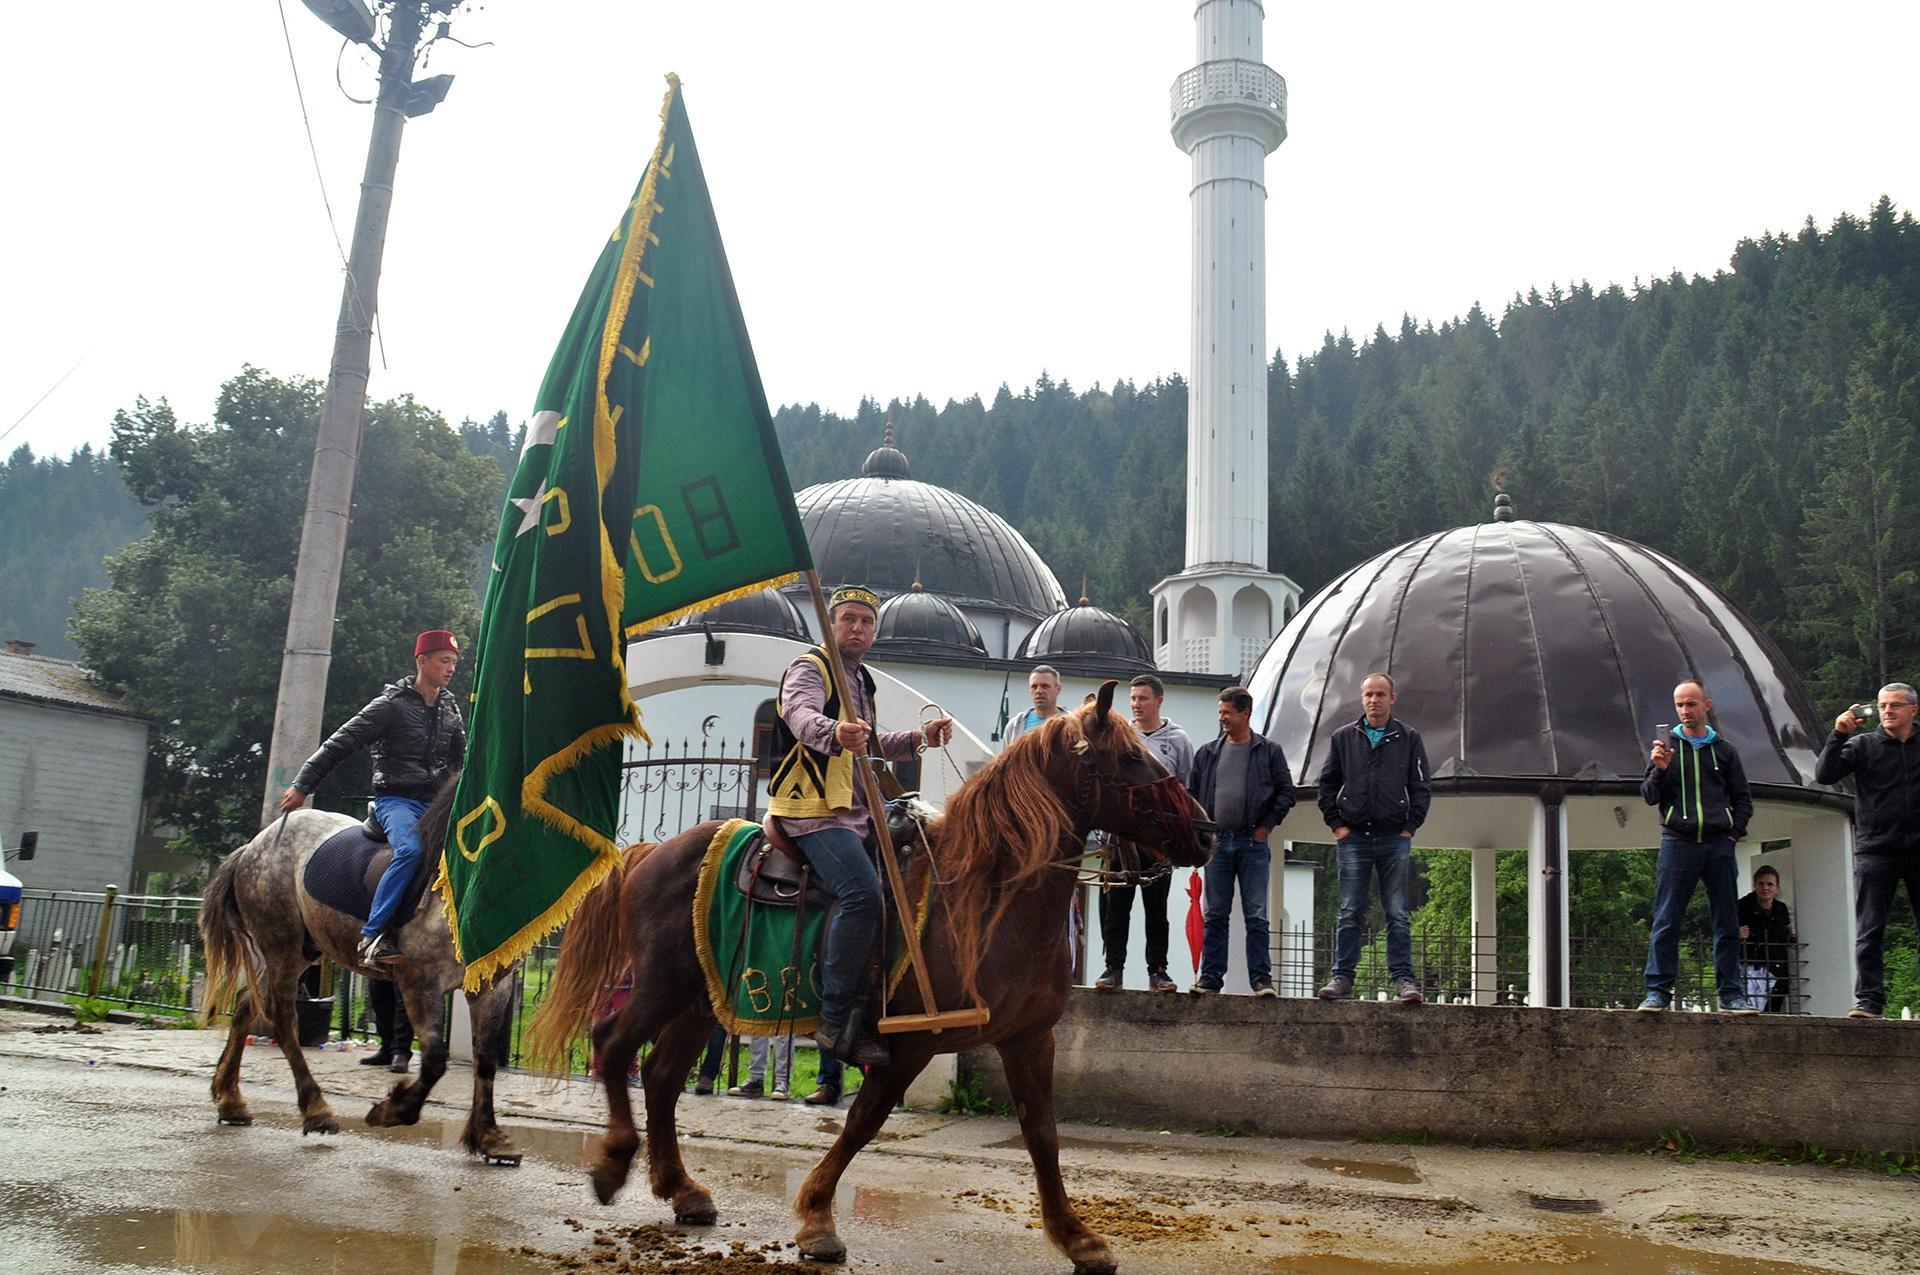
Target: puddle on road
(569, 1147)
(1588, 1251)
(244, 1244)
(1365, 1170)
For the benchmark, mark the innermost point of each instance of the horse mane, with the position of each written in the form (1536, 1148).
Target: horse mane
(1004, 827)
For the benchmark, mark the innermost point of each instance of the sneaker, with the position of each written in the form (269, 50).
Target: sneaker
(1157, 980)
(1107, 982)
(1205, 985)
(1264, 987)
(1338, 988)
(778, 1095)
(703, 1086)
(751, 1090)
(1655, 1002)
(376, 950)
(1407, 992)
(1861, 1011)
(1737, 1005)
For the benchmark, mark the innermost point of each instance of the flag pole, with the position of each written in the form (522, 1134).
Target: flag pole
(932, 1020)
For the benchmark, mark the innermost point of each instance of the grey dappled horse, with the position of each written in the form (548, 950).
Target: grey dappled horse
(261, 927)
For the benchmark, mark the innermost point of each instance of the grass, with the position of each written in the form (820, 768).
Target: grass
(1684, 1147)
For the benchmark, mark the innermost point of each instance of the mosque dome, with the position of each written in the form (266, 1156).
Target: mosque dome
(919, 623)
(1087, 639)
(1526, 652)
(764, 611)
(884, 529)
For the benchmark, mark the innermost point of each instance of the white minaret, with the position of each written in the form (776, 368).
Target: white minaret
(1217, 615)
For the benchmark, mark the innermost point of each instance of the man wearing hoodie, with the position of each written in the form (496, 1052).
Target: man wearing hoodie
(1146, 697)
(1696, 779)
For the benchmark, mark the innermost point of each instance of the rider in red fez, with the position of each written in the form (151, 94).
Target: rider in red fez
(418, 740)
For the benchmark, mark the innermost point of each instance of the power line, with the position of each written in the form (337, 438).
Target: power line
(43, 398)
(319, 175)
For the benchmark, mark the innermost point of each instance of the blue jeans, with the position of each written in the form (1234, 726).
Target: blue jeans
(1875, 877)
(1360, 857)
(1237, 859)
(841, 861)
(1682, 864)
(398, 815)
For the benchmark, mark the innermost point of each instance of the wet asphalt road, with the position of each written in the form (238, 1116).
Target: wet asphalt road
(120, 1167)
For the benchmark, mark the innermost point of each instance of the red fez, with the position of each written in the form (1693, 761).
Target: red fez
(434, 640)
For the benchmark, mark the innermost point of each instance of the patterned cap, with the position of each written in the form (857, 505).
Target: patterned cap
(854, 593)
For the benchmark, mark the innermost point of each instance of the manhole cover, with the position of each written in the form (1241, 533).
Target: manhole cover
(1562, 1203)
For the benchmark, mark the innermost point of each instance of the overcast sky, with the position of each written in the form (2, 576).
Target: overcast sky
(915, 198)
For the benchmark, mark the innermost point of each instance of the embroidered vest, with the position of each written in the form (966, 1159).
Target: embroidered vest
(806, 784)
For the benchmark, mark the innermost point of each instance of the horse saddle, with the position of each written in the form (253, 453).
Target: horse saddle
(774, 870)
(345, 870)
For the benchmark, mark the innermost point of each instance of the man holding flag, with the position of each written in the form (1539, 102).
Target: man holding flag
(650, 485)
(814, 793)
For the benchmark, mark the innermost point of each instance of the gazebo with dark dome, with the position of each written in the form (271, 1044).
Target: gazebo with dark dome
(1087, 639)
(1537, 660)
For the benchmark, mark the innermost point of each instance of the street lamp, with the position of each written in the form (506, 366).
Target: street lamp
(350, 18)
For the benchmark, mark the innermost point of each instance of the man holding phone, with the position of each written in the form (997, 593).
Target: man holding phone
(1885, 765)
(1697, 781)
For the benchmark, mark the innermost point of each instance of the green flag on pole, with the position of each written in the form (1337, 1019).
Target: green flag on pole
(650, 485)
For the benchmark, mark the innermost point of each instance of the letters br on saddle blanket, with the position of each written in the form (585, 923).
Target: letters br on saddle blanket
(758, 919)
(817, 799)
(418, 740)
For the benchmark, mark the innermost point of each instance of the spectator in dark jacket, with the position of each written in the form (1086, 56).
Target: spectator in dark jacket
(1374, 795)
(1766, 941)
(1696, 779)
(1243, 781)
(1885, 766)
(418, 741)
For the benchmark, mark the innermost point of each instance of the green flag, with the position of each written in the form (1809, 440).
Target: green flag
(650, 485)
(1006, 709)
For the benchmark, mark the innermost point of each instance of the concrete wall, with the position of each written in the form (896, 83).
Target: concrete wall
(1553, 1077)
(77, 777)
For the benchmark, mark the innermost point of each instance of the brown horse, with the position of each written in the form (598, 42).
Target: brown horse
(1004, 852)
(262, 929)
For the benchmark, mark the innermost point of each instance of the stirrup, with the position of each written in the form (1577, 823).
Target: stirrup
(376, 950)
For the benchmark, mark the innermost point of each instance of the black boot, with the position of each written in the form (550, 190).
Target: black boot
(852, 1043)
(379, 1057)
(402, 1059)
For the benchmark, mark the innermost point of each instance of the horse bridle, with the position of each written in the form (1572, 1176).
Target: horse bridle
(1161, 804)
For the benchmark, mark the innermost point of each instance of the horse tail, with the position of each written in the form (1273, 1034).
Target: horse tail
(223, 935)
(593, 956)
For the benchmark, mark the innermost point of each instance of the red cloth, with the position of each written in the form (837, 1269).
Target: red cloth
(434, 640)
(1196, 920)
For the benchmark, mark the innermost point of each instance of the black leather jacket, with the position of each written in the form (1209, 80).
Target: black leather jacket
(415, 747)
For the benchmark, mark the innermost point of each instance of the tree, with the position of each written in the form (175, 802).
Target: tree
(190, 628)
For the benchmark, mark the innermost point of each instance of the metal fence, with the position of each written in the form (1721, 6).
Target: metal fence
(664, 791)
(1605, 971)
(140, 951)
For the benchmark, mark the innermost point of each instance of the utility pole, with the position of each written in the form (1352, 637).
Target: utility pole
(336, 452)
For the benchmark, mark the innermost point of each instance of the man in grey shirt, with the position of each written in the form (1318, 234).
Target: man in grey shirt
(1147, 696)
(1243, 781)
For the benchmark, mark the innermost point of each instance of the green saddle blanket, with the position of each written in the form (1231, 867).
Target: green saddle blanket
(760, 980)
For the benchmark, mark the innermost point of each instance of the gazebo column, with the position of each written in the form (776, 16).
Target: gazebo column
(1547, 966)
(1485, 928)
(1822, 870)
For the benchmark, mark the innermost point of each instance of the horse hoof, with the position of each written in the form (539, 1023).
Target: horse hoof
(508, 1159)
(607, 1180)
(377, 1116)
(822, 1248)
(319, 1123)
(1093, 1257)
(239, 1118)
(696, 1210)
(498, 1148)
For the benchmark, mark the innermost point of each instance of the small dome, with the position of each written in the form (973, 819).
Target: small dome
(1534, 652)
(885, 462)
(1087, 639)
(922, 624)
(765, 611)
